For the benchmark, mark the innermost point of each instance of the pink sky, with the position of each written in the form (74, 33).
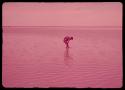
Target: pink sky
(62, 14)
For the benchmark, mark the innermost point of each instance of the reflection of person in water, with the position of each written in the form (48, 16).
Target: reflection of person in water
(66, 40)
(67, 58)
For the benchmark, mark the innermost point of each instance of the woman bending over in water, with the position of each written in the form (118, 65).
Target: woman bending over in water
(66, 40)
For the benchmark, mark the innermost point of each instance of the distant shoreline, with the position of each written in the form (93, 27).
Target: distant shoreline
(69, 26)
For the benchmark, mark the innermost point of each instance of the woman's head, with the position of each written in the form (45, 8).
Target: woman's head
(71, 38)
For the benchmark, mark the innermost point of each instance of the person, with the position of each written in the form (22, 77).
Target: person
(66, 40)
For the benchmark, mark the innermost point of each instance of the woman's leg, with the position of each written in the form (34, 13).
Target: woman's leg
(67, 45)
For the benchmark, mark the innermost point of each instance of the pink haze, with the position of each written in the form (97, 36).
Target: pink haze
(62, 14)
(34, 54)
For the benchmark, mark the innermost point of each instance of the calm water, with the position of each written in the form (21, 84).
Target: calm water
(37, 57)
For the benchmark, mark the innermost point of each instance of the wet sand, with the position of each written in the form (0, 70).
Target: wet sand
(37, 57)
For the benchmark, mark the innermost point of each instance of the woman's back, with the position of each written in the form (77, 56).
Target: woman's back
(66, 38)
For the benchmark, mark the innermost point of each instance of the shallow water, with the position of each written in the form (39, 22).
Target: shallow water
(37, 57)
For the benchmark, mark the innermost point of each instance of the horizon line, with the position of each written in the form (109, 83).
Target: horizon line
(63, 26)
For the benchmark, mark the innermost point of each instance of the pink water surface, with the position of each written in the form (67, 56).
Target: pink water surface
(37, 57)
